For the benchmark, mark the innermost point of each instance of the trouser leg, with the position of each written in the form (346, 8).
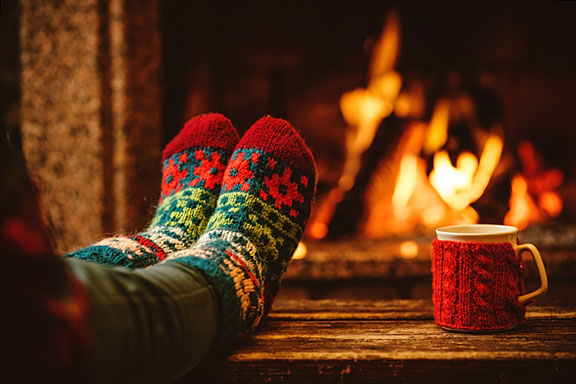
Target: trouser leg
(150, 325)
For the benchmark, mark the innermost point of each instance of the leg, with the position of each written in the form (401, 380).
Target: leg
(151, 325)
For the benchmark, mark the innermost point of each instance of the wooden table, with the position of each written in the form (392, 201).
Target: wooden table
(343, 341)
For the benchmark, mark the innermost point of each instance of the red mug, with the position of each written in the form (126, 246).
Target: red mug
(478, 278)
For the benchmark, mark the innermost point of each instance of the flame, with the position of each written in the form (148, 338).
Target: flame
(446, 194)
(462, 185)
(401, 195)
(438, 130)
(411, 200)
(533, 198)
(407, 182)
(523, 210)
(551, 203)
(385, 52)
(300, 252)
(363, 109)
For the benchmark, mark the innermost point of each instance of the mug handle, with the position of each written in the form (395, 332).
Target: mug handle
(541, 271)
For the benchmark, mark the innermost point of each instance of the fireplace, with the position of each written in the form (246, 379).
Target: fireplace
(419, 116)
(476, 103)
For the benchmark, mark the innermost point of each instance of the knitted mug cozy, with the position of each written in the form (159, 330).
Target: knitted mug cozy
(476, 285)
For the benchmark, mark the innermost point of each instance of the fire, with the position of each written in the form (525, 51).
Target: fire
(403, 193)
(363, 109)
(406, 184)
(460, 186)
(533, 197)
(300, 252)
(410, 201)
(442, 197)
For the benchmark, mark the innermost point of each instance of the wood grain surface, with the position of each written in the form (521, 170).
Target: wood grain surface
(346, 341)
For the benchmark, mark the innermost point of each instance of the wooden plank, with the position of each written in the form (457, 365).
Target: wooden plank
(350, 309)
(368, 340)
(389, 371)
(396, 341)
(393, 309)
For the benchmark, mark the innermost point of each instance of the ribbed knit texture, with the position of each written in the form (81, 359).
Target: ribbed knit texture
(259, 219)
(193, 168)
(476, 285)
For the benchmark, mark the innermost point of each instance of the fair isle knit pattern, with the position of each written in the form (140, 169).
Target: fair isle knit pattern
(193, 168)
(259, 218)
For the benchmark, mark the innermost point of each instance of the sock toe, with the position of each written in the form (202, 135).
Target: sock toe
(209, 130)
(279, 138)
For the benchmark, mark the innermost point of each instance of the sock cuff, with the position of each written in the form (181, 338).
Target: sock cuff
(111, 256)
(135, 251)
(239, 293)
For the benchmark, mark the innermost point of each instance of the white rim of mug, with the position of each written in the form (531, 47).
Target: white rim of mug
(452, 230)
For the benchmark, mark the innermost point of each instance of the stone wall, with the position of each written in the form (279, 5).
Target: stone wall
(91, 113)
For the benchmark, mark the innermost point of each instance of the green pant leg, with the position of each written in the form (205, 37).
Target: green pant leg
(151, 325)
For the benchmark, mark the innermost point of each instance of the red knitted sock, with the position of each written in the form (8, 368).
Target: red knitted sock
(264, 204)
(289, 159)
(193, 168)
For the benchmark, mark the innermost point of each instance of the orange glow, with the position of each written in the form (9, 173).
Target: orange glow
(406, 181)
(438, 130)
(385, 51)
(461, 185)
(318, 226)
(551, 203)
(300, 251)
(363, 110)
(410, 201)
(533, 198)
(523, 210)
(409, 249)
(318, 230)
(403, 194)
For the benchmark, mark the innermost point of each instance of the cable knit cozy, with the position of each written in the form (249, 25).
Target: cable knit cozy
(476, 285)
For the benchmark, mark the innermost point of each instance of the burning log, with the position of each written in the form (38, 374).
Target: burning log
(351, 211)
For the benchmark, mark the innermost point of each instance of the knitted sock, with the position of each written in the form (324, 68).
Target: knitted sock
(193, 167)
(263, 207)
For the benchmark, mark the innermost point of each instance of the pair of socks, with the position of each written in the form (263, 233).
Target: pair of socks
(233, 208)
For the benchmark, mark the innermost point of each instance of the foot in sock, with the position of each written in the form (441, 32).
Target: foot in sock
(193, 168)
(259, 219)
